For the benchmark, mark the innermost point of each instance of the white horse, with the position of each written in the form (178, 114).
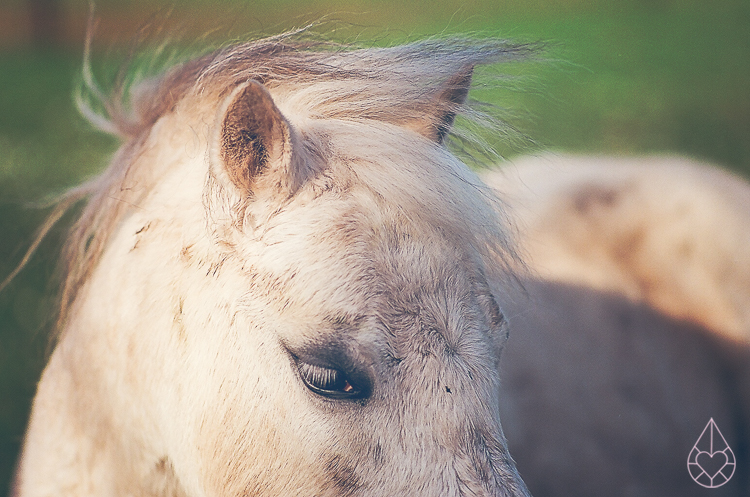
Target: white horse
(284, 284)
(635, 330)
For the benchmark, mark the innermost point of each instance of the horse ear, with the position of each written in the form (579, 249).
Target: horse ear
(256, 140)
(451, 95)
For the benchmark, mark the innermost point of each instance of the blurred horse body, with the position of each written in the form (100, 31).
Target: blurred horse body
(635, 329)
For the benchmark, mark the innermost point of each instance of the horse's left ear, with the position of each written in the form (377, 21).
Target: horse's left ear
(446, 103)
(257, 144)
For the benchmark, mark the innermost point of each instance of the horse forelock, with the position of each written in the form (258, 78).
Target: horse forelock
(389, 84)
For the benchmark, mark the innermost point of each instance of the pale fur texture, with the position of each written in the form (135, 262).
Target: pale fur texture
(356, 242)
(634, 330)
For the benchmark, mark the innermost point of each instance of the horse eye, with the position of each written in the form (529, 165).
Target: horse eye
(328, 382)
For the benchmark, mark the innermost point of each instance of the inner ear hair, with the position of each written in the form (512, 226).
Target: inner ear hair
(252, 135)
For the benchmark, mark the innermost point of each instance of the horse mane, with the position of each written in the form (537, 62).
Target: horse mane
(393, 85)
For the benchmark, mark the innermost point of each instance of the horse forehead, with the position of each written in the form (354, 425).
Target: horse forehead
(423, 295)
(410, 270)
(432, 309)
(346, 274)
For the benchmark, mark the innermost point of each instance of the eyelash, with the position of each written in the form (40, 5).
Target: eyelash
(327, 382)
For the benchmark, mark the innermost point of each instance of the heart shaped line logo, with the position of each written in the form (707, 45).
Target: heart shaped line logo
(711, 463)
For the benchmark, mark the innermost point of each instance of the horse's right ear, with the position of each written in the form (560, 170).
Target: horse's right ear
(256, 143)
(440, 111)
(450, 97)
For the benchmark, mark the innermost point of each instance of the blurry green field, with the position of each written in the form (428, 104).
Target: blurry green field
(627, 77)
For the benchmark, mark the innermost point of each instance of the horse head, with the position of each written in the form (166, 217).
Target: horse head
(292, 289)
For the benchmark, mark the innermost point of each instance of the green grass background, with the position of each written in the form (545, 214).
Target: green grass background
(625, 77)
